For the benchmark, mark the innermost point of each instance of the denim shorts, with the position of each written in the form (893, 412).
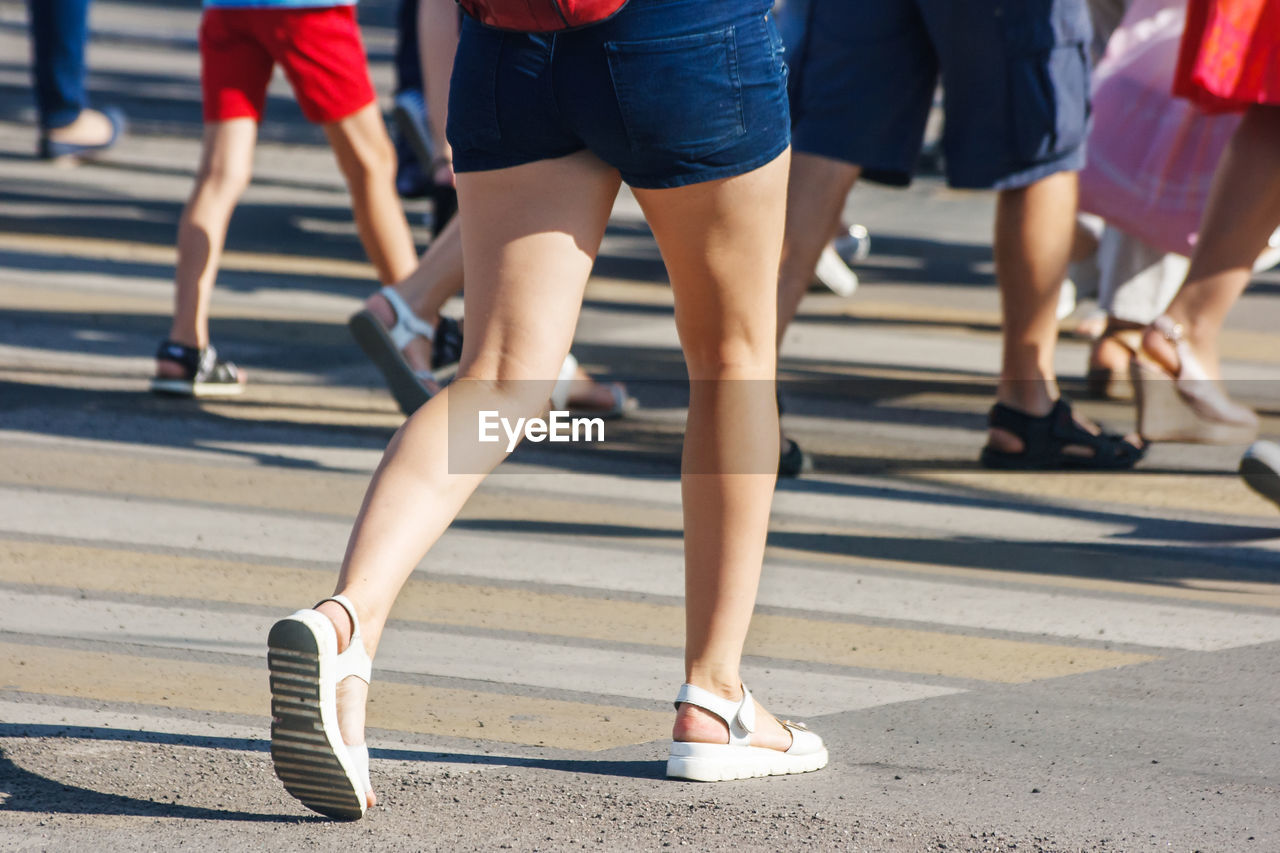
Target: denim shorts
(1015, 77)
(668, 92)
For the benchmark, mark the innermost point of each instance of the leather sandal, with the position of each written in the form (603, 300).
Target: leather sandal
(1048, 442)
(738, 759)
(385, 348)
(310, 757)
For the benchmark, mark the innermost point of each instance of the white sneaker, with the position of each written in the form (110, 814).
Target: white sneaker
(833, 272)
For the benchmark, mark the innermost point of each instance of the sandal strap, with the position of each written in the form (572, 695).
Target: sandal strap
(408, 325)
(738, 714)
(1189, 367)
(198, 365)
(1046, 436)
(355, 660)
(564, 382)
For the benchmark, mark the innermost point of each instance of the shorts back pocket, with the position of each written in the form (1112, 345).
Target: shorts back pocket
(679, 95)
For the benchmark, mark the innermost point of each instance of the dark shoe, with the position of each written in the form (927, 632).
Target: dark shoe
(51, 149)
(1047, 441)
(1260, 468)
(203, 373)
(793, 461)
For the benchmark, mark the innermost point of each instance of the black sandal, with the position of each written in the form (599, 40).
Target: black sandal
(1045, 441)
(203, 373)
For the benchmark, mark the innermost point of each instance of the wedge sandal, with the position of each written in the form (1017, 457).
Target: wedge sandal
(738, 759)
(311, 759)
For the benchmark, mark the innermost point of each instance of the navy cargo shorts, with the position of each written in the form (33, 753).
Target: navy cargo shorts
(1015, 77)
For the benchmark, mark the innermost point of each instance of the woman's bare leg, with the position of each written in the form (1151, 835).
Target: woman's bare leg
(529, 255)
(437, 279)
(721, 242)
(1243, 211)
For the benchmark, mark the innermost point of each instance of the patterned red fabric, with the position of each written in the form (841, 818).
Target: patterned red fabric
(541, 16)
(1230, 55)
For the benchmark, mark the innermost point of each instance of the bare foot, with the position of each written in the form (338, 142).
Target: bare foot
(91, 127)
(587, 395)
(352, 692)
(697, 725)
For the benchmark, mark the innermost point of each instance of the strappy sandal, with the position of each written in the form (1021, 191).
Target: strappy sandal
(203, 373)
(385, 348)
(1046, 441)
(738, 759)
(1189, 407)
(310, 757)
(621, 405)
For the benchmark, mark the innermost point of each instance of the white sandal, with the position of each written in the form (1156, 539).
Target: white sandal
(738, 759)
(385, 348)
(307, 749)
(622, 404)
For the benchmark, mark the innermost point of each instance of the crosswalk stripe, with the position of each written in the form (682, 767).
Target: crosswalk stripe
(651, 676)
(772, 635)
(200, 686)
(563, 561)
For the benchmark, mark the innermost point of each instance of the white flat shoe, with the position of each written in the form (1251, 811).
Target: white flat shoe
(307, 749)
(738, 759)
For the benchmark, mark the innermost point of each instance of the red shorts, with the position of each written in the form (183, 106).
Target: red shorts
(320, 51)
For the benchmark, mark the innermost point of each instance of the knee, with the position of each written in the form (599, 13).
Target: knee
(226, 183)
(731, 357)
(374, 160)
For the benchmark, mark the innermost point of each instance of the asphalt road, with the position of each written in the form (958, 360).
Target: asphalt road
(998, 662)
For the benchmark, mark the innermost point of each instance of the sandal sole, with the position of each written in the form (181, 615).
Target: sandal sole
(187, 388)
(705, 762)
(302, 745)
(373, 339)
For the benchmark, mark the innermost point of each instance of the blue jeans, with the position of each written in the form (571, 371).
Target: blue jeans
(408, 60)
(59, 30)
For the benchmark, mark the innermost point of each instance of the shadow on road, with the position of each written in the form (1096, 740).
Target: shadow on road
(30, 792)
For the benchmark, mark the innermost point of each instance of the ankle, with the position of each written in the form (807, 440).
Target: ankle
(341, 620)
(696, 725)
(1034, 396)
